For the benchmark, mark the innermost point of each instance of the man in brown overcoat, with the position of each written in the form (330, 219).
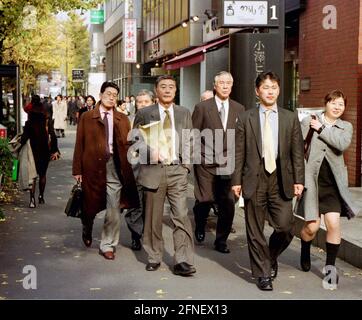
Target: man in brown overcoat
(100, 163)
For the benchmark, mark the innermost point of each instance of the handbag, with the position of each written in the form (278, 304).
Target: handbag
(299, 203)
(74, 204)
(308, 141)
(298, 208)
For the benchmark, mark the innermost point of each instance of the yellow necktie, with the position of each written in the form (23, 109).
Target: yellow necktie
(268, 145)
(167, 128)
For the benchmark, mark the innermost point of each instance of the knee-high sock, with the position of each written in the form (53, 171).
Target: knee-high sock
(332, 251)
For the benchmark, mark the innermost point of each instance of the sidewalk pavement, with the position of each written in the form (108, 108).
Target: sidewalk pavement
(45, 239)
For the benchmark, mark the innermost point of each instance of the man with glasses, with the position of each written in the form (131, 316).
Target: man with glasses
(100, 164)
(219, 113)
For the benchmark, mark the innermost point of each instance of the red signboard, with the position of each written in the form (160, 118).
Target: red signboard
(129, 40)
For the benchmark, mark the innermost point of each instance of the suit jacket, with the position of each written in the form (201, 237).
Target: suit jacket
(89, 160)
(150, 174)
(206, 116)
(248, 154)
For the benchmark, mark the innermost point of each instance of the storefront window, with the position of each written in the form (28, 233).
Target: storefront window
(161, 15)
(178, 11)
(166, 14)
(172, 13)
(185, 9)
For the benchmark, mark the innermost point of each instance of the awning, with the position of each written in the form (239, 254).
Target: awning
(193, 56)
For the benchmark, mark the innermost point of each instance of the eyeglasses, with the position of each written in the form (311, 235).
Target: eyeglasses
(222, 83)
(111, 95)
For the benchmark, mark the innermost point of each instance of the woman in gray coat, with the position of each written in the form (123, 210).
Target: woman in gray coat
(326, 178)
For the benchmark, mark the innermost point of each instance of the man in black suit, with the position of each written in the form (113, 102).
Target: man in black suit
(269, 170)
(215, 120)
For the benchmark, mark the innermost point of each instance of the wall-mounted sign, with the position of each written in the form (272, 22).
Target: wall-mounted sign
(97, 16)
(252, 13)
(305, 84)
(77, 75)
(129, 42)
(211, 31)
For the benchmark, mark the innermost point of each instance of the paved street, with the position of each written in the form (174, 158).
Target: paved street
(51, 242)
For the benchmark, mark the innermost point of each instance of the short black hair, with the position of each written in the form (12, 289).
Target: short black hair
(165, 77)
(109, 84)
(266, 75)
(90, 96)
(335, 94)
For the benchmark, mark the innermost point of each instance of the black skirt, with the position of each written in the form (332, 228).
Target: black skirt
(328, 194)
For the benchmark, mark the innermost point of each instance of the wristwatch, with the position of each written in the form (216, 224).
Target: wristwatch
(321, 128)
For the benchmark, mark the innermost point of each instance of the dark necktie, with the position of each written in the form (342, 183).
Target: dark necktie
(106, 126)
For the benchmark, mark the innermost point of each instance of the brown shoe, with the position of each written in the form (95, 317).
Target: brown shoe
(109, 255)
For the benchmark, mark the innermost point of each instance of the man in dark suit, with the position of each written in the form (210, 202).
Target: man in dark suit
(215, 118)
(164, 174)
(269, 171)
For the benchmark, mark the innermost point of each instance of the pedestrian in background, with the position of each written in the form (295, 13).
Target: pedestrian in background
(135, 217)
(39, 129)
(207, 94)
(216, 113)
(90, 104)
(100, 164)
(269, 171)
(60, 115)
(326, 179)
(72, 111)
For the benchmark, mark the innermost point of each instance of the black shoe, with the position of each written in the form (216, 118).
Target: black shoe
(152, 266)
(32, 202)
(222, 248)
(136, 245)
(183, 269)
(305, 255)
(87, 236)
(274, 269)
(305, 262)
(200, 235)
(265, 284)
(41, 199)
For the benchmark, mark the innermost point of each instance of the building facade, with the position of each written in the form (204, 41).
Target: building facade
(330, 57)
(127, 75)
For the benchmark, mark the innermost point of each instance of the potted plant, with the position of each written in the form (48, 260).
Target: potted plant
(6, 161)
